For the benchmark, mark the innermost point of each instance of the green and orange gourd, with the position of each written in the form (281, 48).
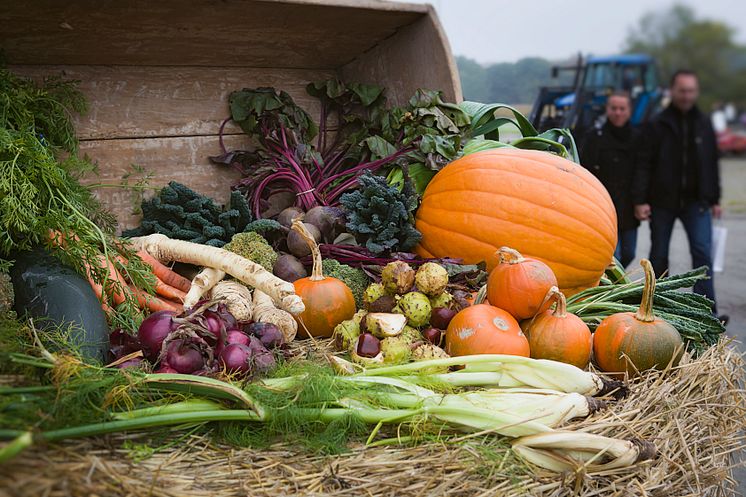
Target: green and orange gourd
(637, 341)
(546, 207)
(328, 301)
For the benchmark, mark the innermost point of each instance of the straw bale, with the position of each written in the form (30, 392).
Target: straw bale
(695, 414)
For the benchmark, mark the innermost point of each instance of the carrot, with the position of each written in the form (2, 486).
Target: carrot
(153, 303)
(166, 290)
(99, 291)
(165, 274)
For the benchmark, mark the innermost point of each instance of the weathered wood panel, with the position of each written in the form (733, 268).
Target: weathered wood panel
(417, 56)
(238, 33)
(182, 159)
(132, 102)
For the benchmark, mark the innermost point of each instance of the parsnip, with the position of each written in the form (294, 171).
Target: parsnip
(266, 312)
(165, 249)
(236, 297)
(201, 284)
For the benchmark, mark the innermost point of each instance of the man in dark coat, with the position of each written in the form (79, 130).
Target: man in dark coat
(678, 176)
(609, 153)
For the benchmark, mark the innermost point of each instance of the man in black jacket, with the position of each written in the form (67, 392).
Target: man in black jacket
(609, 153)
(678, 176)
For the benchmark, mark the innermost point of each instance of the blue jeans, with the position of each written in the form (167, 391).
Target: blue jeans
(697, 222)
(626, 246)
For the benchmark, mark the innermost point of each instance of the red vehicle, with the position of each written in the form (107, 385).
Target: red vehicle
(730, 142)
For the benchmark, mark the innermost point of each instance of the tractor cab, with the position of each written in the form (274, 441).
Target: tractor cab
(581, 105)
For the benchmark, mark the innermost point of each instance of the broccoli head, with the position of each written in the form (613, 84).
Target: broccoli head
(354, 278)
(254, 247)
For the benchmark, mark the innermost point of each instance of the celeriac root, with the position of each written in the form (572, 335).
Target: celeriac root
(236, 297)
(281, 292)
(201, 284)
(266, 312)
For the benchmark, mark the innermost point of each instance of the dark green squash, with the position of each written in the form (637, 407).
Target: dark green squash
(53, 294)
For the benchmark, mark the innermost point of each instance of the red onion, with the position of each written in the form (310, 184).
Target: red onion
(183, 357)
(237, 336)
(165, 370)
(237, 358)
(268, 333)
(154, 330)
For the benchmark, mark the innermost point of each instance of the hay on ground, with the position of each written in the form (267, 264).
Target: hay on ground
(695, 414)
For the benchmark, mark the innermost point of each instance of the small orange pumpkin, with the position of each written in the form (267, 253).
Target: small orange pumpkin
(519, 285)
(559, 335)
(328, 301)
(484, 329)
(638, 341)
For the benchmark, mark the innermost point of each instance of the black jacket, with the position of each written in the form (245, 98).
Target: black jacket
(611, 154)
(659, 171)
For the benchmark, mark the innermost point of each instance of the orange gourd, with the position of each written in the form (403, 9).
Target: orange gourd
(519, 285)
(634, 342)
(559, 335)
(540, 204)
(484, 329)
(328, 301)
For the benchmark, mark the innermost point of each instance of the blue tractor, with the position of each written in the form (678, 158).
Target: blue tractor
(581, 105)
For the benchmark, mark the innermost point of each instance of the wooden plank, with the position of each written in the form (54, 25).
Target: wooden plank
(237, 33)
(418, 56)
(182, 159)
(131, 101)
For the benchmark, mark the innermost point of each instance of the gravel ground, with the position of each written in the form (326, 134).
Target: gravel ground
(730, 285)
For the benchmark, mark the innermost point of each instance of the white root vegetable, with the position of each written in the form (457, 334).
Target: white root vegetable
(237, 299)
(201, 284)
(266, 312)
(165, 249)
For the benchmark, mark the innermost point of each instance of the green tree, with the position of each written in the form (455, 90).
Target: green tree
(678, 39)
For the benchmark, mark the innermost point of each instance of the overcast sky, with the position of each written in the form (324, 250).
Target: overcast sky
(505, 31)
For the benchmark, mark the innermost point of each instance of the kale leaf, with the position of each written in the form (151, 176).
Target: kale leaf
(380, 216)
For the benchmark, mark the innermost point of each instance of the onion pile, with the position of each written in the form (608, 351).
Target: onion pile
(205, 341)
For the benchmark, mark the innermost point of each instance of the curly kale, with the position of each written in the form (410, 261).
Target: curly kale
(254, 247)
(181, 213)
(380, 216)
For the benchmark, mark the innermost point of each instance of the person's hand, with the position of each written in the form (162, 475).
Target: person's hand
(642, 212)
(717, 211)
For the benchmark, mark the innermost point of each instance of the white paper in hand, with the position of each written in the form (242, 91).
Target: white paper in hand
(719, 235)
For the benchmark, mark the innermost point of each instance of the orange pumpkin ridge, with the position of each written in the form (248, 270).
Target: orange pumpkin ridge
(542, 205)
(634, 342)
(328, 301)
(559, 335)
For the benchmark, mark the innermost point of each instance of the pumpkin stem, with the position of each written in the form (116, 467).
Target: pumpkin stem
(645, 312)
(509, 255)
(316, 274)
(561, 310)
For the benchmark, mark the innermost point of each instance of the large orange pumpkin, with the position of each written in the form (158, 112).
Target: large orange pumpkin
(540, 204)
(484, 329)
(633, 342)
(519, 285)
(559, 335)
(328, 301)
